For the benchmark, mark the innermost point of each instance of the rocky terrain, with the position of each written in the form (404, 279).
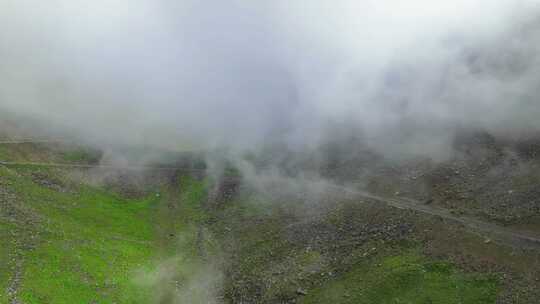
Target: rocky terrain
(463, 230)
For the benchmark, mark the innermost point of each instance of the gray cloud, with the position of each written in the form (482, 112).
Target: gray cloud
(243, 74)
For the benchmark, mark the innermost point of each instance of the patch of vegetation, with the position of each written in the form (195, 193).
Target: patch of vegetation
(182, 213)
(186, 271)
(4, 152)
(28, 152)
(91, 243)
(7, 250)
(193, 193)
(16, 153)
(82, 156)
(407, 278)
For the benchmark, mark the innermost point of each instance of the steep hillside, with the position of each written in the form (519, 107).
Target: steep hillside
(183, 238)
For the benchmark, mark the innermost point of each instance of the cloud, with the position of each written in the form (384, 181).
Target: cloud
(244, 74)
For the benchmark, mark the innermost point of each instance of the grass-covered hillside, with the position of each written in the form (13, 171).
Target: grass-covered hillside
(65, 238)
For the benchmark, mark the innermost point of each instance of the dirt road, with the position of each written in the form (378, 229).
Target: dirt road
(492, 231)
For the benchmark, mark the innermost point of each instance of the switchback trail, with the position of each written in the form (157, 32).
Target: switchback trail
(496, 232)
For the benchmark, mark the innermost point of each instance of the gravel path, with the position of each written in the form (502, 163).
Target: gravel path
(496, 232)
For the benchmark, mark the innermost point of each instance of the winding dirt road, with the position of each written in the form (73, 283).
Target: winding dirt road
(495, 232)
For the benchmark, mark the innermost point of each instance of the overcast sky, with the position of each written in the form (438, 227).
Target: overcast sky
(404, 74)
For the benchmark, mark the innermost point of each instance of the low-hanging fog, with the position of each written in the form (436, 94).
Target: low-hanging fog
(283, 83)
(400, 75)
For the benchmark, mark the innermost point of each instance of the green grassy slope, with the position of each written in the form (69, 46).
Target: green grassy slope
(67, 242)
(406, 278)
(186, 251)
(7, 249)
(89, 243)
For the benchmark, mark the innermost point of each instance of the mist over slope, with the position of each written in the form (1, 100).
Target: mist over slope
(247, 76)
